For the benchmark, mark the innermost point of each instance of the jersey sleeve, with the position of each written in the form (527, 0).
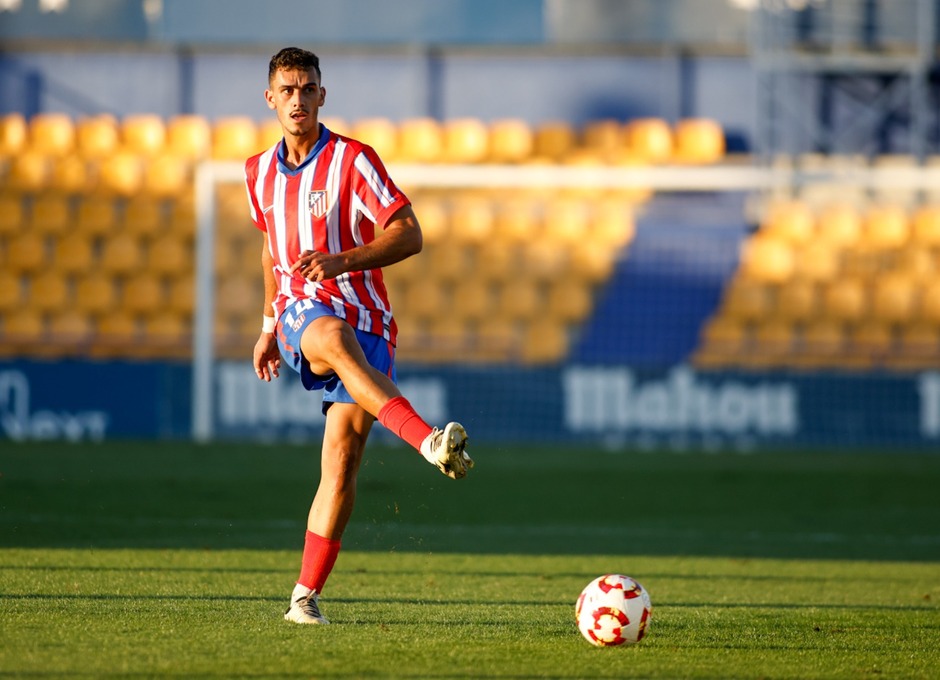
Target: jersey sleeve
(374, 188)
(251, 182)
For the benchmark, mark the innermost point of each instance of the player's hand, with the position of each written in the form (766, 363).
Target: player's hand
(316, 266)
(267, 357)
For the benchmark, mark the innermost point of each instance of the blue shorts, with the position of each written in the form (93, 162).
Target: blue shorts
(294, 321)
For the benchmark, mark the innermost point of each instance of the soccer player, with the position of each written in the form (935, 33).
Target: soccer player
(331, 218)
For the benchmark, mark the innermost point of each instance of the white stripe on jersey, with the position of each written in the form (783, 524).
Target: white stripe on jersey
(332, 186)
(368, 172)
(304, 221)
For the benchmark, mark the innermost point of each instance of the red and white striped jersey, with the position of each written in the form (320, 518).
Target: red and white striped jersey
(331, 203)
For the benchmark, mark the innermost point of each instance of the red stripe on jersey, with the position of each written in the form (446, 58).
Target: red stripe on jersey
(331, 204)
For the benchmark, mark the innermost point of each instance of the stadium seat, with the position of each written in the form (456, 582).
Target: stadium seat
(71, 331)
(120, 174)
(592, 262)
(471, 300)
(12, 214)
(269, 133)
(773, 340)
(797, 301)
(698, 141)
(23, 328)
(870, 343)
(422, 302)
(918, 346)
(928, 308)
(925, 227)
(235, 138)
(170, 255)
(166, 175)
(545, 260)
(182, 218)
(143, 215)
(650, 139)
(70, 175)
(495, 262)
(117, 335)
(51, 134)
(894, 298)
(408, 270)
(544, 342)
(845, 300)
(569, 301)
(472, 220)
(29, 172)
(51, 213)
(181, 298)
(11, 291)
(747, 300)
(605, 136)
(73, 253)
(237, 296)
(121, 255)
(420, 140)
(839, 225)
(495, 340)
(95, 294)
(466, 140)
(567, 220)
(723, 341)
(14, 133)
(446, 264)
(26, 253)
(613, 223)
(791, 221)
(143, 294)
(433, 216)
(96, 215)
(143, 134)
(167, 334)
(189, 136)
(97, 136)
(519, 300)
(822, 343)
(886, 227)
(517, 220)
(511, 140)
(816, 262)
(917, 261)
(379, 133)
(767, 259)
(555, 140)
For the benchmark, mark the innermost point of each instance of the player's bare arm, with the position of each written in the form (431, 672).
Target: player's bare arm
(401, 238)
(267, 356)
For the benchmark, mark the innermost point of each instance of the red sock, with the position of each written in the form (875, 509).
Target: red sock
(319, 557)
(399, 417)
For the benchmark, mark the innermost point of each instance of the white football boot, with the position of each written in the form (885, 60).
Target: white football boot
(447, 450)
(304, 607)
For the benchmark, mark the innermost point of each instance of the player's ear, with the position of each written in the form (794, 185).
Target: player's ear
(269, 98)
(322, 95)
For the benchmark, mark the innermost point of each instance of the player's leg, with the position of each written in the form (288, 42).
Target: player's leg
(344, 441)
(330, 345)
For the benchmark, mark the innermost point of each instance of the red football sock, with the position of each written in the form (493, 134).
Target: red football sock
(399, 417)
(319, 557)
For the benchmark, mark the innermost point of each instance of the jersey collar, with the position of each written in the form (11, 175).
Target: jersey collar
(281, 148)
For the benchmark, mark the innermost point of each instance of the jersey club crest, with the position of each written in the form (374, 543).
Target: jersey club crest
(317, 203)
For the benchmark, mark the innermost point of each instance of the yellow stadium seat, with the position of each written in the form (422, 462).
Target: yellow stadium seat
(817, 262)
(517, 221)
(12, 214)
(472, 300)
(925, 228)
(237, 296)
(605, 136)
(567, 220)
(70, 175)
(433, 216)
(723, 340)
(96, 215)
(336, 124)
(98, 136)
(546, 260)
(544, 342)
(797, 301)
(73, 253)
(698, 141)
(650, 139)
(121, 174)
(121, 255)
(823, 341)
(170, 255)
(774, 340)
(143, 215)
(569, 301)
(494, 340)
(270, 133)
(511, 140)
(894, 298)
(143, 294)
(51, 213)
(846, 300)
(494, 262)
(143, 134)
(472, 219)
(446, 264)
(182, 297)
(189, 136)
(791, 221)
(918, 345)
(747, 300)
(422, 302)
(886, 226)
(29, 172)
(71, 329)
(118, 334)
(928, 309)
(592, 262)
(51, 134)
(235, 138)
(767, 259)
(11, 291)
(167, 334)
(466, 140)
(420, 140)
(839, 224)
(49, 291)
(26, 253)
(613, 223)
(917, 261)
(95, 293)
(166, 175)
(554, 140)
(24, 328)
(519, 300)
(379, 133)
(14, 133)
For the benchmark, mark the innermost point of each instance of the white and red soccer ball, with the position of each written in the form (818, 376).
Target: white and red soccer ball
(613, 610)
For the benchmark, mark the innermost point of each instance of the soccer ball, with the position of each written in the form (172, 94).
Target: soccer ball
(612, 610)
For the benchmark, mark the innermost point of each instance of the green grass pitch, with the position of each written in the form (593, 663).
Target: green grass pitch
(175, 560)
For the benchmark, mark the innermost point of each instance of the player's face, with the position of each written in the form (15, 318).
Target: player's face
(296, 96)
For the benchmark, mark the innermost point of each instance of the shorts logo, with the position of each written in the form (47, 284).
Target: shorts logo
(298, 322)
(317, 202)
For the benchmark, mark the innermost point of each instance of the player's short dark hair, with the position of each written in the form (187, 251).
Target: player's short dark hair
(293, 59)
